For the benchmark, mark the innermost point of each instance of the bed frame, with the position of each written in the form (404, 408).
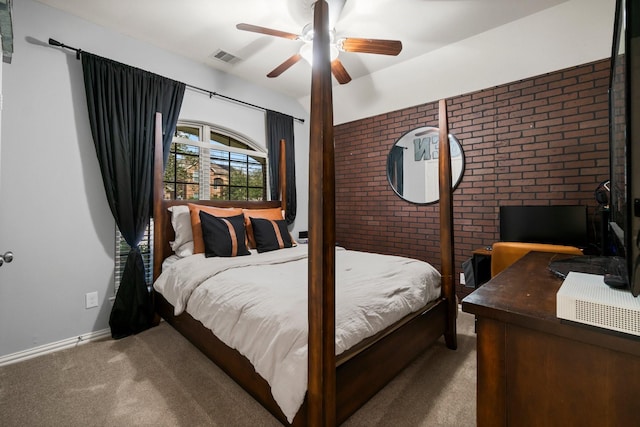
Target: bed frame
(337, 385)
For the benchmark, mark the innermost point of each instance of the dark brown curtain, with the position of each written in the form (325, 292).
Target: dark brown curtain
(280, 126)
(122, 102)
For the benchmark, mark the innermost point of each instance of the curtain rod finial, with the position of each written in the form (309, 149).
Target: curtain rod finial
(53, 42)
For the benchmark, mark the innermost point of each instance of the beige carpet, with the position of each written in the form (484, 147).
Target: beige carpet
(157, 378)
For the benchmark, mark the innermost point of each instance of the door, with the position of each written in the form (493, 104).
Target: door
(6, 256)
(7, 277)
(20, 301)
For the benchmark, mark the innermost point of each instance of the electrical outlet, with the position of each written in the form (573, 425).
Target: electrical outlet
(462, 281)
(91, 299)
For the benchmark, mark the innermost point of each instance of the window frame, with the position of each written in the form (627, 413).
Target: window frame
(205, 147)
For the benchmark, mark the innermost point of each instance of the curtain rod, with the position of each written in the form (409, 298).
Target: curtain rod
(56, 43)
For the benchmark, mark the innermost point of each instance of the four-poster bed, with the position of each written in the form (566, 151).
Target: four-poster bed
(337, 385)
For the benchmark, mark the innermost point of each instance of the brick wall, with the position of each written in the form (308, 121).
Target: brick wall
(537, 141)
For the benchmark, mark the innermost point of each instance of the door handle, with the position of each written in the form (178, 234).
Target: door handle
(7, 257)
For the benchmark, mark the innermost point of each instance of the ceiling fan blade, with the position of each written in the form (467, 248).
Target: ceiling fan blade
(285, 65)
(383, 47)
(339, 72)
(267, 31)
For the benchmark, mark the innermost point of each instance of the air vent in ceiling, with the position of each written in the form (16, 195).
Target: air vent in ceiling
(224, 56)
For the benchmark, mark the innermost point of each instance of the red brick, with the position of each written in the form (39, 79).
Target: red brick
(536, 141)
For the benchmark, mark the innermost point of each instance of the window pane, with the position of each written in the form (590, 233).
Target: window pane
(181, 191)
(239, 193)
(238, 174)
(238, 144)
(190, 132)
(186, 149)
(170, 170)
(256, 174)
(220, 155)
(257, 194)
(237, 157)
(219, 139)
(187, 168)
(182, 173)
(187, 192)
(169, 191)
(219, 193)
(219, 169)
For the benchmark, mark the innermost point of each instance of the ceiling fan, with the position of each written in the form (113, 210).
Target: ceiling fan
(344, 44)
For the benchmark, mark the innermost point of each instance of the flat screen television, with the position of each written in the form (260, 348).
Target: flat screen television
(555, 224)
(624, 120)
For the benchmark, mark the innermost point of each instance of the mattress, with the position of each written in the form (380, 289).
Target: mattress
(257, 304)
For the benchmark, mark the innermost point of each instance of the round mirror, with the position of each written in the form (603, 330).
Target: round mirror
(412, 165)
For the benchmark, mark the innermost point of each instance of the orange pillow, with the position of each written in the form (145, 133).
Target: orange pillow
(196, 226)
(269, 213)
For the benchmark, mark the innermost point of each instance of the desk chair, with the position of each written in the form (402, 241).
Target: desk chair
(504, 254)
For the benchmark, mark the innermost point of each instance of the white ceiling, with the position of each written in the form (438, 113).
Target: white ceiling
(198, 28)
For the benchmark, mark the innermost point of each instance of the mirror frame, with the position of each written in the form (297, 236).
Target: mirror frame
(408, 138)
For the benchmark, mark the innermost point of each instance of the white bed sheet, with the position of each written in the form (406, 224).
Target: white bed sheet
(257, 304)
(169, 260)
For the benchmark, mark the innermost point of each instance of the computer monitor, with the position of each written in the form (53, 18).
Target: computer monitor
(555, 224)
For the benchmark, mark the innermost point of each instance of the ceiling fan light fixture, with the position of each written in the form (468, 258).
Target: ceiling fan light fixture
(307, 33)
(349, 44)
(306, 51)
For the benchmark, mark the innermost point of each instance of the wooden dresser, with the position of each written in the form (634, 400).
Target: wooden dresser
(535, 370)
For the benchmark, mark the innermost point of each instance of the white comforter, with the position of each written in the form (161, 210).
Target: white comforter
(257, 304)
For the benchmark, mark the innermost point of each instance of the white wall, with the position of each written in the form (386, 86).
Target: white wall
(53, 212)
(574, 32)
(1, 67)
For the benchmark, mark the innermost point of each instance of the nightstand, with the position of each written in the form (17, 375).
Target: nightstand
(481, 260)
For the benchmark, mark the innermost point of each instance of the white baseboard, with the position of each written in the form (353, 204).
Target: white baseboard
(54, 346)
(64, 344)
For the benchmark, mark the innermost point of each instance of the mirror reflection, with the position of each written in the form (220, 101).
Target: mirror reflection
(412, 165)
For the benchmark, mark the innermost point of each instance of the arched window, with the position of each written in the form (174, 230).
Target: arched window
(211, 163)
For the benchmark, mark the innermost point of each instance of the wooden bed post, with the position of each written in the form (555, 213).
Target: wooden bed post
(321, 393)
(446, 227)
(158, 195)
(158, 173)
(283, 174)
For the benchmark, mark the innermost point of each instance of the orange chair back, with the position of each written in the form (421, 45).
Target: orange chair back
(504, 254)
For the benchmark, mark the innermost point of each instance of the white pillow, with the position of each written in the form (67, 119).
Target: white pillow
(181, 222)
